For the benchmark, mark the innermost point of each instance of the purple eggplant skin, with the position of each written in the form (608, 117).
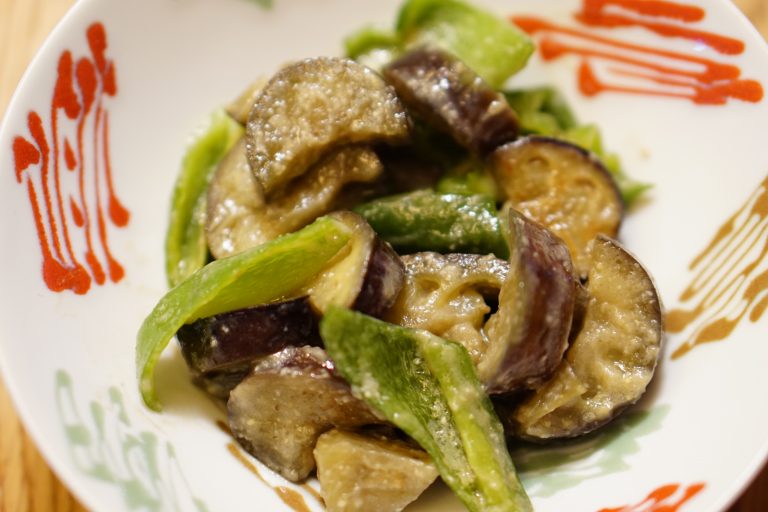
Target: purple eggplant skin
(230, 342)
(611, 359)
(384, 277)
(452, 98)
(367, 279)
(218, 385)
(529, 334)
(289, 399)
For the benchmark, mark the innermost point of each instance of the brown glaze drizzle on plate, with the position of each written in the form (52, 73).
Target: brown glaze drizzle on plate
(288, 496)
(730, 282)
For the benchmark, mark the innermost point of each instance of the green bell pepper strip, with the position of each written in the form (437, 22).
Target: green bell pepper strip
(429, 388)
(260, 275)
(490, 45)
(369, 39)
(427, 221)
(186, 249)
(541, 110)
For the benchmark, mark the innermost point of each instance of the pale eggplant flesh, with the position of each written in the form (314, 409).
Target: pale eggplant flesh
(562, 187)
(362, 471)
(611, 359)
(286, 402)
(366, 277)
(239, 217)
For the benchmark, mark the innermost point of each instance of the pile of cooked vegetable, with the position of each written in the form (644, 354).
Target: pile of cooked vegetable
(385, 271)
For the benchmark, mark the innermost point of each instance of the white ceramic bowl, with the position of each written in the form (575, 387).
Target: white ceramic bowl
(696, 438)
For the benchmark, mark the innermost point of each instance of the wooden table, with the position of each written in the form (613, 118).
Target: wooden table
(26, 482)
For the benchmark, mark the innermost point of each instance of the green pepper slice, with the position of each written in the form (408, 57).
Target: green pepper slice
(427, 221)
(264, 274)
(492, 46)
(429, 388)
(186, 249)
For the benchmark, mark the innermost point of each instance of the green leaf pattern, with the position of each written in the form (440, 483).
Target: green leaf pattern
(545, 471)
(104, 446)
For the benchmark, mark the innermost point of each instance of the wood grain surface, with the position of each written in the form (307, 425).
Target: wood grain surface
(26, 482)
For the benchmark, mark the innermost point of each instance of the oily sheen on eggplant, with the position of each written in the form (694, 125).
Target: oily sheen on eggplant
(229, 341)
(312, 106)
(529, 334)
(611, 359)
(451, 97)
(219, 350)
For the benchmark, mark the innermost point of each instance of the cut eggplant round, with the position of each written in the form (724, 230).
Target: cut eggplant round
(529, 333)
(313, 106)
(219, 350)
(450, 295)
(563, 187)
(287, 401)
(365, 472)
(239, 217)
(611, 359)
(366, 276)
(237, 338)
(448, 95)
(512, 317)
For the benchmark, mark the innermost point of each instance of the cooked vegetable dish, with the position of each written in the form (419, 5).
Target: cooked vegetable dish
(386, 265)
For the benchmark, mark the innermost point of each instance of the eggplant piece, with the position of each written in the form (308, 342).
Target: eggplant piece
(450, 295)
(313, 106)
(362, 472)
(219, 350)
(521, 343)
(611, 360)
(264, 274)
(453, 98)
(241, 106)
(280, 409)
(563, 187)
(239, 217)
(529, 333)
(367, 277)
